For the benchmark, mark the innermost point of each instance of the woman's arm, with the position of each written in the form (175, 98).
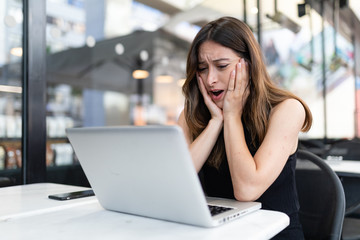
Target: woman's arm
(251, 176)
(200, 149)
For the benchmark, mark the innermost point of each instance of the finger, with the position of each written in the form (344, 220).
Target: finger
(242, 76)
(231, 85)
(239, 75)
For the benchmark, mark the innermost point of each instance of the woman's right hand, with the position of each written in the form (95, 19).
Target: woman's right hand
(215, 111)
(202, 145)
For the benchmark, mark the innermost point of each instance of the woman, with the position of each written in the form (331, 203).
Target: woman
(242, 130)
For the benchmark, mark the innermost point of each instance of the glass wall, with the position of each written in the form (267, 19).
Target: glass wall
(94, 49)
(295, 61)
(10, 91)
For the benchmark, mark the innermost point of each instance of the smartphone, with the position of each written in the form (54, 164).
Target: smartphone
(72, 195)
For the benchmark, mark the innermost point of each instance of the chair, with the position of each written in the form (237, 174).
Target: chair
(351, 185)
(348, 150)
(321, 197)
(351, 229)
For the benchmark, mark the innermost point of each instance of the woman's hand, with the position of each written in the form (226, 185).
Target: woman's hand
(215, 111)
(238, 90)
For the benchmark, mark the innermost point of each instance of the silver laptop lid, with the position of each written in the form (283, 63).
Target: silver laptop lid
(144, 171)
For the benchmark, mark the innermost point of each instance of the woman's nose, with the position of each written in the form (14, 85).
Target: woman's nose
(211, 78)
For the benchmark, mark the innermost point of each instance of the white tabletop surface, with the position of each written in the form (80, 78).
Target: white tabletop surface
(344, 166)
(33, 199)
(29, 214)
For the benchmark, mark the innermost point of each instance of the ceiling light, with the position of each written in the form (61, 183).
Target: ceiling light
(10, 89)
(164, 79)
(119, 49)
(90, 41)
(16, 51)
(144, 55)
(254, 10)
(140, 74)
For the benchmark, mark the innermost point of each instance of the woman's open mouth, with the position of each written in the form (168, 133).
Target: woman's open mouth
(216, 94)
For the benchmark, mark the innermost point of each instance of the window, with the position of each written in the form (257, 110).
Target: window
(10, 91)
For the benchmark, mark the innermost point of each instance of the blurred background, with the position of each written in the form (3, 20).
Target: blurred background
(122, 62)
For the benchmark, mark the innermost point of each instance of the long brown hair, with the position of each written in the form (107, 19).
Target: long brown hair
(264, 94)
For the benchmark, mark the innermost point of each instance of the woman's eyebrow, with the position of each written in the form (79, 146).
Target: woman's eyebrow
(221, 59)
(216, 60)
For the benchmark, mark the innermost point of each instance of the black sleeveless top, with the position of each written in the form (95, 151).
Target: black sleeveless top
(280, 196)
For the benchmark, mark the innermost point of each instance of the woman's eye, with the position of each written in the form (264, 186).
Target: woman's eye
(201, 69)
(223, 66)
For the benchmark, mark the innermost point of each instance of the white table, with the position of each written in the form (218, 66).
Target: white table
(29, 214)
(345, 166)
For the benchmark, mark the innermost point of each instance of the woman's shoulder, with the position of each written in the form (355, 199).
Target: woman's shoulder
(181, 119)
(290, 104)
(290, 108)
(182, 123)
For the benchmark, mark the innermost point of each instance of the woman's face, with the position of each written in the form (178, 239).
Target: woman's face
(215, 65)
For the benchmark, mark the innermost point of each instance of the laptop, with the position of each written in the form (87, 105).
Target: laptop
(148, 171)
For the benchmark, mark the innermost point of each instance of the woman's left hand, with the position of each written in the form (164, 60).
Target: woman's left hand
(238, 90)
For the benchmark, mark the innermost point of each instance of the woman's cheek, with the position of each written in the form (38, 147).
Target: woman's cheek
(203, 77)
(226, 77)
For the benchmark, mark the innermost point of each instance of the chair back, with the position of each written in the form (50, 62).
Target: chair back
(321, 197)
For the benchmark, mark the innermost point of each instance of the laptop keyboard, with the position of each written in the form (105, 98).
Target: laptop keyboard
(215, 210)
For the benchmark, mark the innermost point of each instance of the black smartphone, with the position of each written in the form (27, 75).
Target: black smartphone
(72, 195)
